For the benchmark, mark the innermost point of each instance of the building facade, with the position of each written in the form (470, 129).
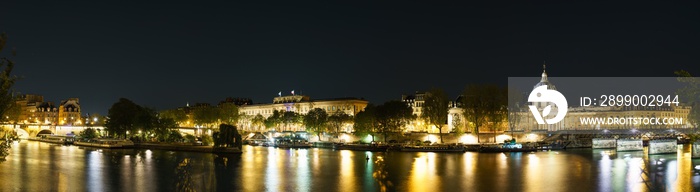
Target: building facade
(47, 113)
(69, 112)
(300, 104)
(32, 109)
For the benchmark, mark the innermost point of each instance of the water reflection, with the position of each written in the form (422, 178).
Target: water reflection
(73, 168)
(184, 177)
(424, 171)
(381, 174)
(347, 171)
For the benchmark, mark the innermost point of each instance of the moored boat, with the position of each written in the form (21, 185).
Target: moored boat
(294, 145)
(508, 146)
(57, 139)
(105, 143)
(433, 148)
(362, 147)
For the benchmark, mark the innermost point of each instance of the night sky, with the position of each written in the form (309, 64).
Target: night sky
(163, 55)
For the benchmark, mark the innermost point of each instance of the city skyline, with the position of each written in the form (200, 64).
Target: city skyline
(165, 55)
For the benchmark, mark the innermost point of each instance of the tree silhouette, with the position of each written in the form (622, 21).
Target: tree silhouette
(337, 120)
(435, 109)
(392, 117)
(315, 121)
(484, 103)
(365, 122)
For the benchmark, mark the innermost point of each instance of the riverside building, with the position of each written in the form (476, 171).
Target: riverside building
(300, 104)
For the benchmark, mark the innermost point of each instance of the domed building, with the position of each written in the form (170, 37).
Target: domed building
(541, 105)
(574, 119)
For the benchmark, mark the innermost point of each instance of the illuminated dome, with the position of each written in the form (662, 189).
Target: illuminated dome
(544, 80)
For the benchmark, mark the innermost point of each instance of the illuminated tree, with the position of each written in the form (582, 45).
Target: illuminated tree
(337, 120)
(206, 116)
(162, 128)
(89, 133)
(392, 117)
(258, 121)
(122, 117)
(484, 103)
(229, 113)
(178, 115)
(291, 118)
(315, 121)
(274, 120)
(365, 122)
(435, 109)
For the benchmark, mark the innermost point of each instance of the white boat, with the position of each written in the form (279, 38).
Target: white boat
(57, 139)
(105, 143)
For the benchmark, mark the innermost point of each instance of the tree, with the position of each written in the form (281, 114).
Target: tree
(498, 110)
(206, 115)
(7, 99)
(227, 136)
(337, 120)
(162, 128)
(274, 120)
(392, 117)
(229, 113)
(435, 109)
(7, 80)
(122, 117)
(12, 114)
(258, 121)
(690, 94)
(315, 121)
(365, 122)
(458, 124)
(290, 118)
(483, 103)
(178, 115)
(515, 105)
(173, 136)
(89, 133)
(146, 119)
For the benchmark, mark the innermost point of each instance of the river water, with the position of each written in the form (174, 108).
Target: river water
(35, 166)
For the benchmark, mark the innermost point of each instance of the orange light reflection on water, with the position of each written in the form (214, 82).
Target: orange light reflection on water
(424, 176)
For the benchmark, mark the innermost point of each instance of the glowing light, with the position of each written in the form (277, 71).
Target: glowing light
(431, 138)
(531, 137)
(468, 139)
(344, 138)
(502, 138)
(368, 138)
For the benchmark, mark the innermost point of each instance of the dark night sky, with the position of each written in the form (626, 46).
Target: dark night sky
(163, 55)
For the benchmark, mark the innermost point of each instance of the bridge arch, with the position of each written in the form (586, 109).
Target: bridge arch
(44, 131)
(22, 134)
